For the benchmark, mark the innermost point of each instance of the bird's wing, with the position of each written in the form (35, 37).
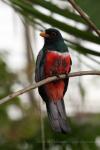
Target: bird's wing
(39, 67)
(67, 79)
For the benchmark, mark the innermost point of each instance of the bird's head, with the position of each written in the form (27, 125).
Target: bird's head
(51, 35)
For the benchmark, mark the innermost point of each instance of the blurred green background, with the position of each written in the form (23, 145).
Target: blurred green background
(23, 120)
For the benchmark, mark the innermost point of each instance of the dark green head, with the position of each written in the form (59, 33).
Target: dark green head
(51, 36)
(53, 40)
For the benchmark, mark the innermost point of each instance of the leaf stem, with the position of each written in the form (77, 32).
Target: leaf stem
(85, 16)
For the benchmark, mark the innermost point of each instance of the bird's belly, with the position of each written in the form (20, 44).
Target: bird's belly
(55, 90)
(55, 64)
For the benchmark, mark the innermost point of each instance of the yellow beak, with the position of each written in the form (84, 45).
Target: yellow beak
(44, 34)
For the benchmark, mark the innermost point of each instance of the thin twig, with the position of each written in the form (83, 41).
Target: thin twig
(45, 81)
(84, 16)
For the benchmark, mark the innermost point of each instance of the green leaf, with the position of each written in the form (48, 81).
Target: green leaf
(92, 8)
(55, 9)
(27, 7)
(84, 50)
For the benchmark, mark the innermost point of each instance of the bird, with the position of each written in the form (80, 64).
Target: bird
(54, 59)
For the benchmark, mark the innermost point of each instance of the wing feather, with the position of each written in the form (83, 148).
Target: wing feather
(39, 67)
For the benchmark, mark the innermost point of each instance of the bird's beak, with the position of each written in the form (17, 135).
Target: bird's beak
(44, 34)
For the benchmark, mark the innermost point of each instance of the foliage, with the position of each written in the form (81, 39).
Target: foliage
(27, 8)
(92, 9)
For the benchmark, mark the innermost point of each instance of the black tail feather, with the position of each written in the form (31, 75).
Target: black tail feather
(57, 116)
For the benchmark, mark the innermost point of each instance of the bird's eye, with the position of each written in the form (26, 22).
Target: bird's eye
(53, 34)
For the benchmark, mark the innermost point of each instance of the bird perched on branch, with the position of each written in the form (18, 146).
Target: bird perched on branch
(52, 60)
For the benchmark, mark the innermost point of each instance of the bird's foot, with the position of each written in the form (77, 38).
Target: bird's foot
(54, 73)
(66, 75)
(58, 76)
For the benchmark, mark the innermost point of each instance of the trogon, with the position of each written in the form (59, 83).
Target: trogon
(54, 59)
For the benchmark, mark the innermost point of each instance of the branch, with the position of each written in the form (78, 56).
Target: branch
(84, 16)
(45, 81)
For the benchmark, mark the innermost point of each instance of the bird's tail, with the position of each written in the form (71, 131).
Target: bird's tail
(57, 116)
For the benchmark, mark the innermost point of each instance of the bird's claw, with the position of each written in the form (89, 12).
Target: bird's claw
(57, 76)
(54, 73)
(66, 75)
